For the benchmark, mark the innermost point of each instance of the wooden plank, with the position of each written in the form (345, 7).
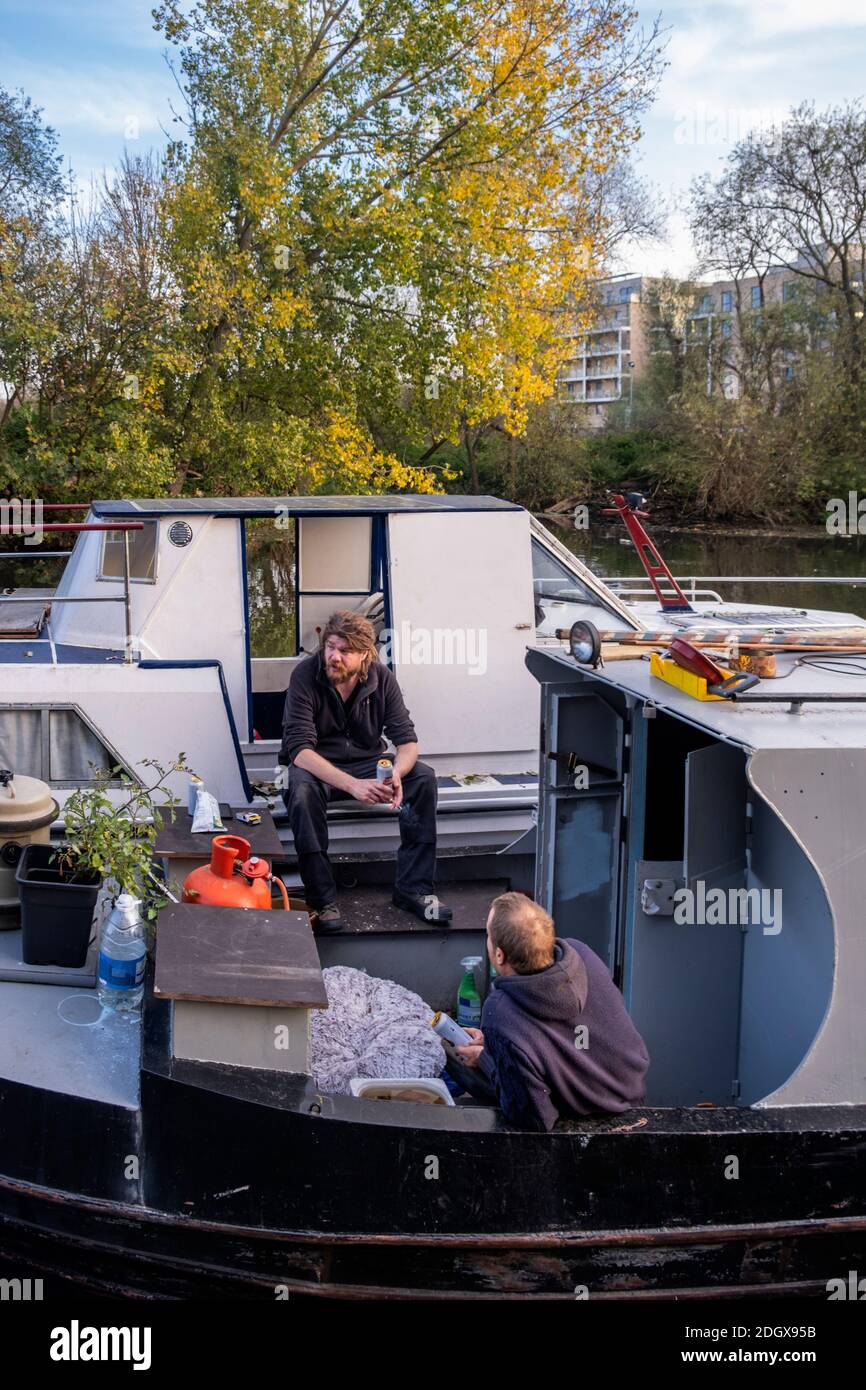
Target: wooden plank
(233, 955)
(176, 840)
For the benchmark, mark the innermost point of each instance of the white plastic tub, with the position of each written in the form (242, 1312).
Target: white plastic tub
(370, 1088)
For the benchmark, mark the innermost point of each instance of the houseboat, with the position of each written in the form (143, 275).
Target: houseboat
(171, 1154)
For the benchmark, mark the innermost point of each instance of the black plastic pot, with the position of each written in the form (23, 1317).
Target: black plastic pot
(56, 912)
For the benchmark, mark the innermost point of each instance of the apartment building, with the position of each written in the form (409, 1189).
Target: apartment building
(608, 360)
(719, 308)
(603, 361)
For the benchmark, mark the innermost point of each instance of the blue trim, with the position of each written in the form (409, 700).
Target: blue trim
(297, 586)
(375, 505)
(383, 554)
(12, 653)
(248, 662)
(196, 665)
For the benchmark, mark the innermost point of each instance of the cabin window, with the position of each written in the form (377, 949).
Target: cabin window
(55, 744)
(551, 579)
(271, 583)
(142, 554)
(340, 566)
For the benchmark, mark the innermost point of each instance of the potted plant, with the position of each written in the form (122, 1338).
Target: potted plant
(105, 845)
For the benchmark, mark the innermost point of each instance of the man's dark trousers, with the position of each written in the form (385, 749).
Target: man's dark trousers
(307, 801)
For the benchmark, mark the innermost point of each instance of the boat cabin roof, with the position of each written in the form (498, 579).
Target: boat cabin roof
(309, 506)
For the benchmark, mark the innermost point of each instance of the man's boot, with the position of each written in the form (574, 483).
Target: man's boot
(426, 906)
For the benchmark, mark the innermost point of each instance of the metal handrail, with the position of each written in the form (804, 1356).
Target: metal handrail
(755, 579)
(649, 592)
(125, 598)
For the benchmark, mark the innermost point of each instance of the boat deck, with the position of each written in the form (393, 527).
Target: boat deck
(61, 1039)
(832, 689)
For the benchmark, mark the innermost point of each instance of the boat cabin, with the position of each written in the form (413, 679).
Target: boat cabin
(194, 651)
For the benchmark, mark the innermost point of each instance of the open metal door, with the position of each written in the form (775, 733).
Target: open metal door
(581, 781)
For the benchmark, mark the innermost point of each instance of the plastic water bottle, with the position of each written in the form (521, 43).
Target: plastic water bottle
(122, 954)
(468, 998)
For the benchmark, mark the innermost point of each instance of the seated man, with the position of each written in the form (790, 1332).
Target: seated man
(338, 704)
(555, 1037)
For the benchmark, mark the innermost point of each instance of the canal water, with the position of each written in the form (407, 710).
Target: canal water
(686, 554)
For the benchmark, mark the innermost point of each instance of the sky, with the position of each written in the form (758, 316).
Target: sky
(97, 68)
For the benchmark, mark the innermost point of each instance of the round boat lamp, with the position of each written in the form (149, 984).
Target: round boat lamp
(584, 643)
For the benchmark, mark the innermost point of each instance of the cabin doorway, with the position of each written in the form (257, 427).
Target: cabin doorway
(298, 571)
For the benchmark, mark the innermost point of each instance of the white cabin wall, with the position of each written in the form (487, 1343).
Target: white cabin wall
(146, 714)
(194, 610)
(458, 571)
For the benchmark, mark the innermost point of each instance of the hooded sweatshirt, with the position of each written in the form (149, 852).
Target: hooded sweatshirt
(544, 1067)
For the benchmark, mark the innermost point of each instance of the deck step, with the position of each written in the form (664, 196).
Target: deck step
(368, 909)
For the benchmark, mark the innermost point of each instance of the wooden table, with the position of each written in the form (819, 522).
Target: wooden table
(181, 851)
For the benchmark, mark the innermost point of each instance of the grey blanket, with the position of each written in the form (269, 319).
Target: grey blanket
(372, 1028)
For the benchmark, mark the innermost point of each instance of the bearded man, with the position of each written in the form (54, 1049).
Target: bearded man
(339, 704)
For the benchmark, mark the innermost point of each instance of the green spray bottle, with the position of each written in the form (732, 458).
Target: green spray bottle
(468, 998)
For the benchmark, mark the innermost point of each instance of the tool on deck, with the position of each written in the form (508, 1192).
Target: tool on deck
(586, 637)
(695, 674)
(627, 508)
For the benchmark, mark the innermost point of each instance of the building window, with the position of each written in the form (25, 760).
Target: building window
(142, 553)
(789, 291)
(756, 296)
(707, 304)
(727, 301)
(726, 328)
(789, 373)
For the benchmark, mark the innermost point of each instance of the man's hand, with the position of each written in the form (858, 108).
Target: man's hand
(367, 789)
(395, 786)
(469, 1054)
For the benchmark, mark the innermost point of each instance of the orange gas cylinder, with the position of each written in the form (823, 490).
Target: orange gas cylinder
(232, 878)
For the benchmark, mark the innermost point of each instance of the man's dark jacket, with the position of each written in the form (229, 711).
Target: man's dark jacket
(315, 716)
(543, 1068)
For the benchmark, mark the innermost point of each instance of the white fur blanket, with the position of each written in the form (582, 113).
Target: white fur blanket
(371, 1028)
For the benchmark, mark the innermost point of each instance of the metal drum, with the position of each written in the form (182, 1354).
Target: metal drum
(27, 811)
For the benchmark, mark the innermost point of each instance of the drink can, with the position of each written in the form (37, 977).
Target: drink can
(445, 1026)
(384, 769)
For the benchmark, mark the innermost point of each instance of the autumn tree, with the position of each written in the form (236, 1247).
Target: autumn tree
(795, 197)
(376, 209)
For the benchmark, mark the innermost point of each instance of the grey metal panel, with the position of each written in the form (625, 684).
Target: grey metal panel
(581, 890)
(821, 796)
(787, 975)
(426, 962)
(685, 999)
(269, 506)
(715, 819)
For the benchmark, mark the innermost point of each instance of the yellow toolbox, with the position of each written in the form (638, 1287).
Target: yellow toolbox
(690, 684)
